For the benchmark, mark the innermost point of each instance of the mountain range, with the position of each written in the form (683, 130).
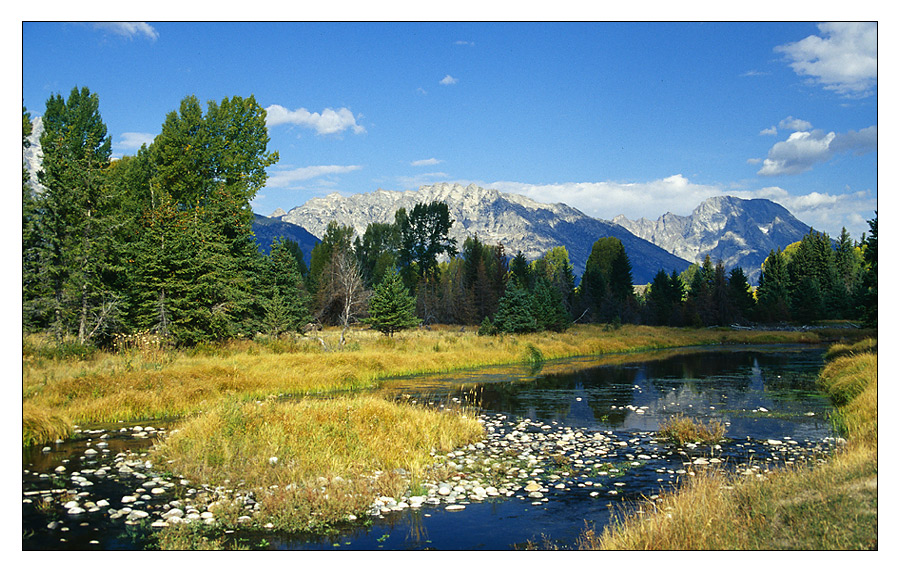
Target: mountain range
(739, 232)
(518, 222)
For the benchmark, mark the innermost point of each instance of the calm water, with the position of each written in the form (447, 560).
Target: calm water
(759, 393)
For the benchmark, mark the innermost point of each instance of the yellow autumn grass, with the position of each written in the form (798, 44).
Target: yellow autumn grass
(312, 462)
(137, 385)
(827, 506)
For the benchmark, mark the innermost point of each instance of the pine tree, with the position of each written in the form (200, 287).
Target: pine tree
(72, 219)
(773, 293)
(391, 308)
(281, 291)
(516, 312)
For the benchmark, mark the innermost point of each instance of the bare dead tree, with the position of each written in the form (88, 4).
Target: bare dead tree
(345, 290)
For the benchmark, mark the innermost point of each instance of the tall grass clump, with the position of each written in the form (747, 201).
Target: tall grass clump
(40, 425)
(680, 429)
(301, 446)
(827, 505)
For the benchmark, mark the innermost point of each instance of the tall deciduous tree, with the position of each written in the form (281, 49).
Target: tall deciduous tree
(424, 236)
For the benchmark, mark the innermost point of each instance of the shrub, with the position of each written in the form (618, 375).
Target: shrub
(680, 430)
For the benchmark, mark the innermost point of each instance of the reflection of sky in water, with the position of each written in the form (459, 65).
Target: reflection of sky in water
(758, 392)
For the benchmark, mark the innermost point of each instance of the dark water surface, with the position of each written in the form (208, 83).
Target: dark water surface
(759, 393)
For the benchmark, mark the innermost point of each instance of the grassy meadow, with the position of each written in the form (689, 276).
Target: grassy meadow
(315, 459)
(146, 382)
(828, 506)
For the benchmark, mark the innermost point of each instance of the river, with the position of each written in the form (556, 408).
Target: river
(765, 396)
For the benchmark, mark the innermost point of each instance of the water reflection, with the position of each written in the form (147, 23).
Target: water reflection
(753, 390)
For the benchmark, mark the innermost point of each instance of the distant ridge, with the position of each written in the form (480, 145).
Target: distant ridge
(267, 229)
(739, 232)
(518, 222)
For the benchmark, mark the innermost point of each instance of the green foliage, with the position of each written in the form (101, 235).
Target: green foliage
(607, 289)
(516, 313)
(424, 236)
(68, 255)
(391, 308)
(285, 301)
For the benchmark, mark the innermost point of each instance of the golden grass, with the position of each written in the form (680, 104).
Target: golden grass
(306, 460)
(42, 426)
(143, 384)
(290, 442)
(680, 430)
(830, 506)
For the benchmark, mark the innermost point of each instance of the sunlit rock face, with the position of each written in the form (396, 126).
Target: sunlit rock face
(518, 222)
(739, 232)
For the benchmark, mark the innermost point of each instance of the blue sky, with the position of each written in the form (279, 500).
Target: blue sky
(635, 118)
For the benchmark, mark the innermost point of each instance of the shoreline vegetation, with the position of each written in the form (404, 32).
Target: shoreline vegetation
(146, 382)
(832, 505)
(234, 425)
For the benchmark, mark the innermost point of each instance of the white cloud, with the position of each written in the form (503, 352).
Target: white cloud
(794, 124)
(804, 149)
(823, 211)
(134, 140)
(426, 162)
(287, 178)
(464, 43)
(329, 122)
(769, 131)
(607, 199)
(676, 194)
(844, 59)
(417, 181)
(449, 80)
(128, 29)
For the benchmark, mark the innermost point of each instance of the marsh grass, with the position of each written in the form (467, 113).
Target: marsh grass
(680, 429)
(314, 461)
(145, 380)
(831, 505)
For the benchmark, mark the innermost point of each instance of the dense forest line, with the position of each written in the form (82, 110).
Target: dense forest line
(161, 243)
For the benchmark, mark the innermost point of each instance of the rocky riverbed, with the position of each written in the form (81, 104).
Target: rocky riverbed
(100, 491)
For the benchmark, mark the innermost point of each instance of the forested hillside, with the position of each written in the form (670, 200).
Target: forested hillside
(161, 243)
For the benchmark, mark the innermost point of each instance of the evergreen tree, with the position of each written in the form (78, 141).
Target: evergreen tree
(391, 308)
(516, 311)
(550, 310)
(740, 295)
(607, 288)
(773, 293)
(377, 251)
(71, 219)
(869, 290)
(280, 286)
(520, 271)
(424, 236)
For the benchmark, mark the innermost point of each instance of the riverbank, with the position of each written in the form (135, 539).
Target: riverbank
(145, 382)
(832, 506)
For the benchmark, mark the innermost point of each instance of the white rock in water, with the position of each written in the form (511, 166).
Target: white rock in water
(128, 499)
(452, 507)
